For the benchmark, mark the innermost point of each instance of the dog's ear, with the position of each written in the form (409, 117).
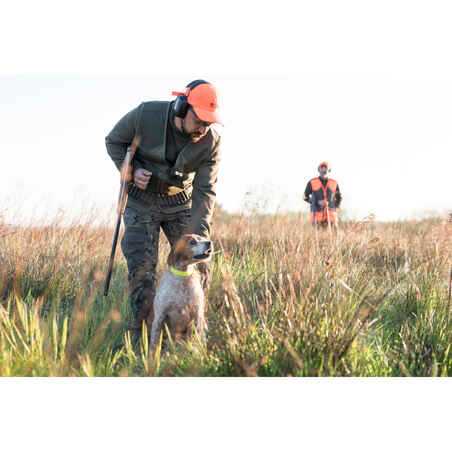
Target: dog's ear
(175, 254)
(172, 256)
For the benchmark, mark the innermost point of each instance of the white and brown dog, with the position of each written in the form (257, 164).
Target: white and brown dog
(179, 299)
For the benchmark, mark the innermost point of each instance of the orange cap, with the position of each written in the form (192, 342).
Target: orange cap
(324, 164)
(203, 98)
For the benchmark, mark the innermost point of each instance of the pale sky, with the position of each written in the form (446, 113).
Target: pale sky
(364, 85)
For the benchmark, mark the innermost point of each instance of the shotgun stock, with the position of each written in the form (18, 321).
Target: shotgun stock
(126, 177)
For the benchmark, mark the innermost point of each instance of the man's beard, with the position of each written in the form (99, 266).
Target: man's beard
(195, 137)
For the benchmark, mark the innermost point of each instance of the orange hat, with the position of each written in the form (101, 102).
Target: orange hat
(324, 164)
(203, 98)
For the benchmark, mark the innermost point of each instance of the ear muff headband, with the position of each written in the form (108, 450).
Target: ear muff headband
(181, 104)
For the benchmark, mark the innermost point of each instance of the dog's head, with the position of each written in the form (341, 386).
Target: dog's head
(190, 249)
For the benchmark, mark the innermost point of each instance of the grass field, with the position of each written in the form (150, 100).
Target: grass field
(371, 300)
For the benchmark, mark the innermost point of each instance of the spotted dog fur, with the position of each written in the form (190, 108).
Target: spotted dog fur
(179, 300)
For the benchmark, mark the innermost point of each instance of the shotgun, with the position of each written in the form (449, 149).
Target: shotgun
(327, 214)
(126, 176)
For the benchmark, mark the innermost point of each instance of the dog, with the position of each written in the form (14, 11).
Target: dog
(179, 298)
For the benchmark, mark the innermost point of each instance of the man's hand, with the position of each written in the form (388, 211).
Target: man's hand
(322, 203)
(141, 178)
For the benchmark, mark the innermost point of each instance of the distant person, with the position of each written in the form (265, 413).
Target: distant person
(324, 196)
(174, 182)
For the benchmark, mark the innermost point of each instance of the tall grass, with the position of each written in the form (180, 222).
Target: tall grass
(369, 300)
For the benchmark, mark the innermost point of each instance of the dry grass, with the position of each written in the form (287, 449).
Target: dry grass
(370, 300)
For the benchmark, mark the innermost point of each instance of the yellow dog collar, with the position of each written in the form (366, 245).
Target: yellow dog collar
(177, 272)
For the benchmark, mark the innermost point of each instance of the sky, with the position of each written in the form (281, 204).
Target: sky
(363, 85)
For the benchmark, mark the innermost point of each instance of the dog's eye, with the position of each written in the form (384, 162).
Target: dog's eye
(192, 242)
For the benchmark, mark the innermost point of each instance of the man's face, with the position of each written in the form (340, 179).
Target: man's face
(195, 127)
(323, 171)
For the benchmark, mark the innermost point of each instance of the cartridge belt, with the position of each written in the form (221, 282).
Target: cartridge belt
(160, 200)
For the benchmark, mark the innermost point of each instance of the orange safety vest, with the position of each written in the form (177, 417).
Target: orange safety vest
(328, 193)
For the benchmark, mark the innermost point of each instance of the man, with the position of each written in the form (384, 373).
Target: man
(174, 175)
(324, 196)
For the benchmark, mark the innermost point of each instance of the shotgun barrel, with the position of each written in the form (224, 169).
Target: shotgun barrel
(112, 256)
(126, 177)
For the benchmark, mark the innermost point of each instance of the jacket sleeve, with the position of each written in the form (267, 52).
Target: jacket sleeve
(338, 196)
(307, 193)
(120, 138)
(204, 193)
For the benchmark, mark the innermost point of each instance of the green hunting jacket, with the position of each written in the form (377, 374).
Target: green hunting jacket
(193, 173)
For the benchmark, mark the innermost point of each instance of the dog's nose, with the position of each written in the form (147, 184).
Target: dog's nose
(208, 247)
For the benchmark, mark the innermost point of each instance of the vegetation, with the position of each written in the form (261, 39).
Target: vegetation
(370, 300)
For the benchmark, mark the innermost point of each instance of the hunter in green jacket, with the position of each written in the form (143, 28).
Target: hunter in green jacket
(174, 175)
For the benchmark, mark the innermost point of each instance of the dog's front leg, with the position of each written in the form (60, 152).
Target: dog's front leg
(201, 325)
(156, 330)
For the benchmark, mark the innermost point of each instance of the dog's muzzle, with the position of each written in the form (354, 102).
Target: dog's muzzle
(207, 252)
